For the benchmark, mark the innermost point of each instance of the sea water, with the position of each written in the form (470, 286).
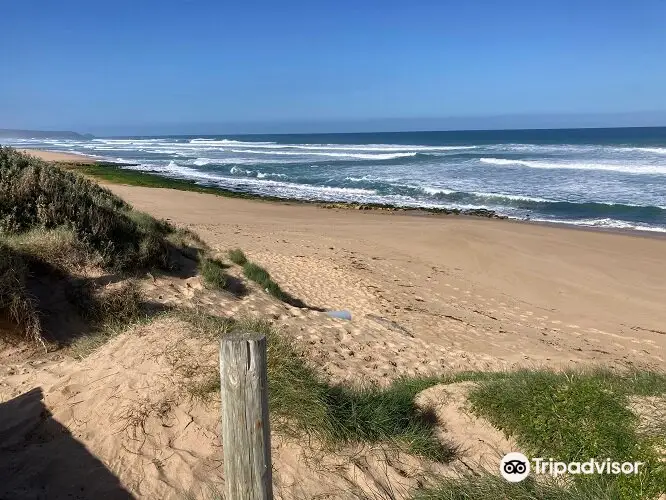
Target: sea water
(613, 178)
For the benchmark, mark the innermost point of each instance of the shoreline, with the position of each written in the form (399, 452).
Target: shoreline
(91, 166)
(59, 156)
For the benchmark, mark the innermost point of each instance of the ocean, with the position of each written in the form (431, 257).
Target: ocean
(610, 178)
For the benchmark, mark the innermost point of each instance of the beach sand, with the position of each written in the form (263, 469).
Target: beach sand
(59, 157)
(494, 291)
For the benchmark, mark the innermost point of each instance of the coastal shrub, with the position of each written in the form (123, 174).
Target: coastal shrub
(58, 247)
(55, 223)
(237, 256)
(116, 304)
(16, 302)
(38, 195)
(212, 273)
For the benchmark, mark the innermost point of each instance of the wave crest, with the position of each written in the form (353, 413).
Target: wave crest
(628, 169)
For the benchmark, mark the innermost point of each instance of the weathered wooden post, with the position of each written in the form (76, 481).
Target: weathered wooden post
(246, 434)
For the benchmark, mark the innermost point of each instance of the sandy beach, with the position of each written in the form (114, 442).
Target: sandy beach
(509, 292)
(499, 293)
(429, 295)
(59, 157)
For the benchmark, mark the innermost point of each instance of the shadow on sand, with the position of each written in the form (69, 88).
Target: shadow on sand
(40, 459)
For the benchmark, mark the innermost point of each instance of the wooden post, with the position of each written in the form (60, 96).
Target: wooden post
(246, 434)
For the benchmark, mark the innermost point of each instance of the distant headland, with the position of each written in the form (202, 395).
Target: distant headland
(43, 134)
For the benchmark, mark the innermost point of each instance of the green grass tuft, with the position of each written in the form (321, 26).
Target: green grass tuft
(212, 272)
(84, 346)
(260, 276)
(205, 325)
(575, 416)
(257, 274)
(237, 257)
(117, 305)
(375, 414)
(58, 247)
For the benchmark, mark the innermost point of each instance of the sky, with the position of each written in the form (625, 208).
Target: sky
(197, 66)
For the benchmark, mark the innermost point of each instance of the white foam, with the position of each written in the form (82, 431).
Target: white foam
(599, 149)
(657, 151)
(178, 170)
(357, 156)
(263, 175)
(225, 142)
(515, 197)
(606, 223)
(629, 169)
(365, 147)
(361, 179)
(238, 170)
(433, 191)
(328, 147)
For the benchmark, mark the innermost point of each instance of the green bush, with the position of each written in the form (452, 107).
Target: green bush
(38, 195)
(16, 303)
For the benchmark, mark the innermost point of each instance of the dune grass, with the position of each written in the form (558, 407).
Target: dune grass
(486, 486)
(85, 345)
(259, 275)
(569, 416)
(108, 311)
(237, 256)
(301, 402)
(58, 247)
(120, 304)
(16, 302)
(213, 273)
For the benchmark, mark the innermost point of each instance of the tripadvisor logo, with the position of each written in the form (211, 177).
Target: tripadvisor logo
(514, 467)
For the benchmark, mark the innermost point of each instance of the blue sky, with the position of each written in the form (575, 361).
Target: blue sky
(175, 66)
